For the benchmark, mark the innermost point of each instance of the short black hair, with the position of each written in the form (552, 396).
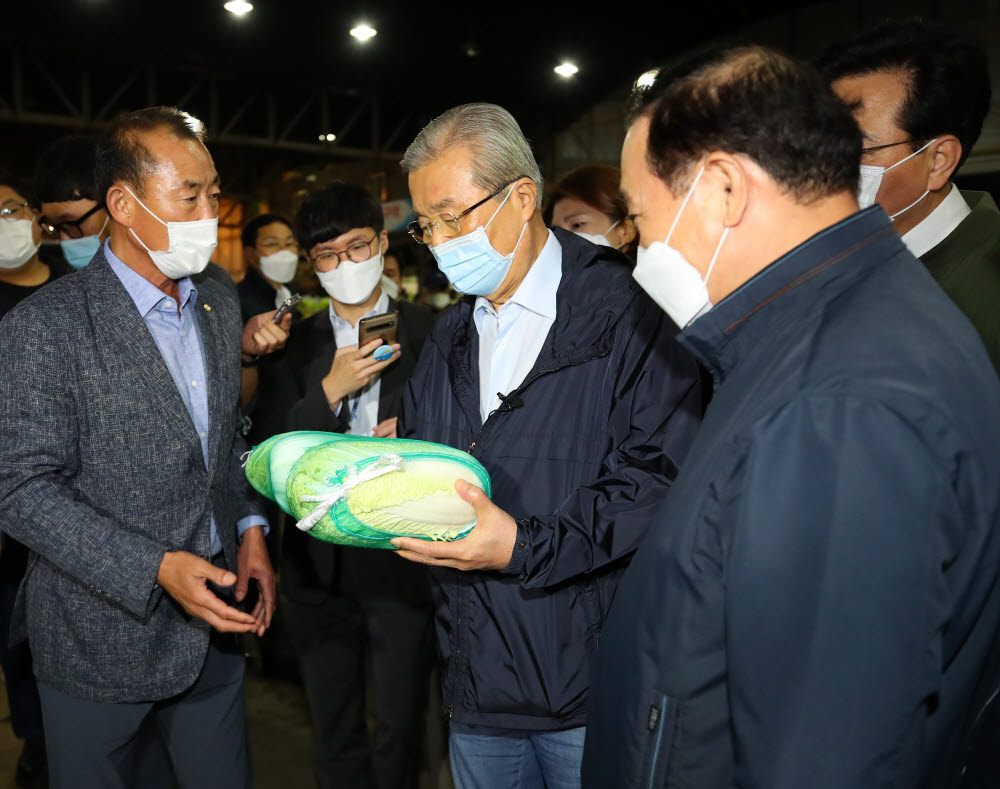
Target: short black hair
(66, 170)
(949, 78)
(757, 102)
(334, 210)
(252, 228)
(123, 157)
(22, 187)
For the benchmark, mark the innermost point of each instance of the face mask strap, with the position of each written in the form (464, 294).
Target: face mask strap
(125, 187)
(928, 145)
(898, 213)
(715, 257)
(687, 197)
(501, 205)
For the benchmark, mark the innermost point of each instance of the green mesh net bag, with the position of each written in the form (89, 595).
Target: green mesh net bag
(353, 490)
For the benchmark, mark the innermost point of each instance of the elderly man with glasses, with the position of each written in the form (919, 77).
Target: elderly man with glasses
(566, 382)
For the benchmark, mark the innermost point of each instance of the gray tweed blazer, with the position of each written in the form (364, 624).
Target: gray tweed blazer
(101, 472)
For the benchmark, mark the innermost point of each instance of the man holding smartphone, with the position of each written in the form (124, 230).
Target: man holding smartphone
(339, 597)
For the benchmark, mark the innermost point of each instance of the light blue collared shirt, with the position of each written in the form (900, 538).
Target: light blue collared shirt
(510, 338)
(362, 405)
(178, 338)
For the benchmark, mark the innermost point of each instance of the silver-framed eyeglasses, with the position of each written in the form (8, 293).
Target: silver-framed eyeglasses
(358, 252)
(447, 224)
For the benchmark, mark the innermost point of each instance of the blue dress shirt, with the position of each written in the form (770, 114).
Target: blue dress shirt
(510, 338)
(178, 337)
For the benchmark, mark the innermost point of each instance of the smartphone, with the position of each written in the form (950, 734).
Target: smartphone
(286, 307)
(384, 327)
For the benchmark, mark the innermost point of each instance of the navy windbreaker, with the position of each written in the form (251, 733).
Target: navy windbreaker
(816, 604)
(581, 454)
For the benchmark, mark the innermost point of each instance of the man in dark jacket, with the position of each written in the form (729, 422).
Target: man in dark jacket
(346, 603)
(816, 603)
(920, 94)
(567, 383)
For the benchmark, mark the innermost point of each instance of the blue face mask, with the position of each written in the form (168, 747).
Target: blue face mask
(80, 251)
(471, 263)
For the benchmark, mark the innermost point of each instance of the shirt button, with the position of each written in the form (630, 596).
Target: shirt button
(203, 434)
(168, 303)
(194, 383)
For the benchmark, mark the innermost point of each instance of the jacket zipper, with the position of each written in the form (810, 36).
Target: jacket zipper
(525, 385)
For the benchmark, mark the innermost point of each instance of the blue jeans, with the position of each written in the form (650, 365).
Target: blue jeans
(516, 760)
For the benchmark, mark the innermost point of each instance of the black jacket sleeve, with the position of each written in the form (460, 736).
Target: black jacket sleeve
(655, 412)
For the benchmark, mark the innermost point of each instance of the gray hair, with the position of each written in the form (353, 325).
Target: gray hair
(500, 153)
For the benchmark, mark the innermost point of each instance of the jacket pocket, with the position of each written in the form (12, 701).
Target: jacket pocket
(658, 724)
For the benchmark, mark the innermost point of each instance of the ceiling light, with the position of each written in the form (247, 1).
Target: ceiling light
(331, 137)
(566, 70)
(647, 78)
(238, 7)
(363, 32)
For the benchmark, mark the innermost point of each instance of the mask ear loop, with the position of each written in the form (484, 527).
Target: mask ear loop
(144, 207)
(503, 202)
(715, 257)
(680, 211)
(887, 169)
(899, 213)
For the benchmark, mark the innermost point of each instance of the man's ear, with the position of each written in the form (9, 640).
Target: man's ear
(251, 256)
(732, 173)
(384, 238)
(120, 205)
(526, 191)
(947, 153)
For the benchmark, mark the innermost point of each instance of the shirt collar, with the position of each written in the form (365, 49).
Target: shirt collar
(382, 305)
(938, 224)
(537, 291)
(144, 293)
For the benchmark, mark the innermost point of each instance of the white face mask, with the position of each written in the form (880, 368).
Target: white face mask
(190, 244)
(17, 242)
(601, 239)
(670, 280)
(390, 287)
(350, 282)
(280, 267)
(440, 300)
(871, 180)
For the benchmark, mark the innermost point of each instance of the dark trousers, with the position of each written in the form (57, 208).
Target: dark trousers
(331, 638)
(97, 744)
(15, 659)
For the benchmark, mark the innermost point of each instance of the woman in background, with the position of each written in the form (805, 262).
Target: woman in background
(587, 201)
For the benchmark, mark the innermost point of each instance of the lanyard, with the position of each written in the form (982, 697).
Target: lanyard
(354, 408)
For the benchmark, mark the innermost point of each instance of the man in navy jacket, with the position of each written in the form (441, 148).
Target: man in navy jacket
(566, 382)
(816, 604)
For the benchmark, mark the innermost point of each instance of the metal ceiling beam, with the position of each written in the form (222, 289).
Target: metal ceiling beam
(36, 94)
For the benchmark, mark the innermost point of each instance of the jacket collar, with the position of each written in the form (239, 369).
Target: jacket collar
(777, 294)
(123, 333)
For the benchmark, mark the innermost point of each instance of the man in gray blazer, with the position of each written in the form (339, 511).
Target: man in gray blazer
(121, 472)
